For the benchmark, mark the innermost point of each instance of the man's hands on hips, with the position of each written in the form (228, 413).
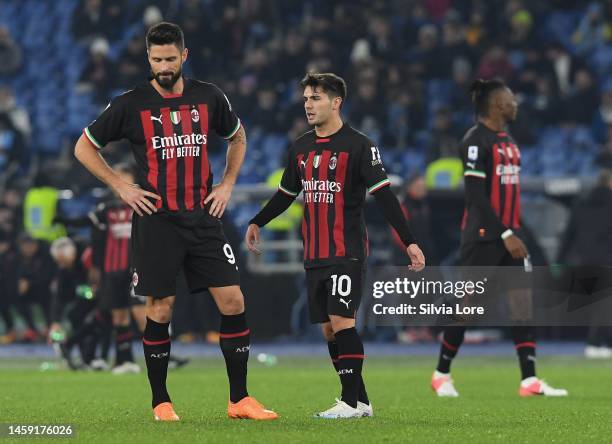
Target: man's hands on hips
(136, 197)
(516, 247)
(220, 196)
(416, 257)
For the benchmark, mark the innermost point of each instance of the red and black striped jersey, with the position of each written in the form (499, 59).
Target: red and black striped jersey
(112, 229)
(169, 136)
(494, 158)
(334, 174)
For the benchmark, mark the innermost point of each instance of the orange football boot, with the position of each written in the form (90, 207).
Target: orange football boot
(165, 412)
(249, 408)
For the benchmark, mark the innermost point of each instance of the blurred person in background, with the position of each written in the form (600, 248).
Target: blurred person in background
(111, 233)
(587, 242)
(18, 115)
(9, 265)
(36, 270)
(99, 72)
(10, 53)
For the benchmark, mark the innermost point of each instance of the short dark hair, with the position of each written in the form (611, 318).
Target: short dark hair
(480, 93)
(330, 84)
(165, 33)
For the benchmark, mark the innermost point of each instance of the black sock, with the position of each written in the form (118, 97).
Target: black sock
(350, 364)
(235, 342)
(123, 344)
(156, 345)
(524, 343)
(452, 338)
(333, 354)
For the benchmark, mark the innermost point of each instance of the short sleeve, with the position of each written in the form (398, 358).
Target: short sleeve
(372, 169)
(473, 156)
(109, 126)
(226, 122)
(291, 183)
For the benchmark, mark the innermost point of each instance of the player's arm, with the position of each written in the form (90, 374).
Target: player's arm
(222, 192)
(392, 210)
(227, 125)
(274, 208)
(476, 196)
(108, 127)
(378, 184)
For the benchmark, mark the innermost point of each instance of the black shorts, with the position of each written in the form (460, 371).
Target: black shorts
(334, 290)
(115, 290)
(164, 243)
(495, 254)
(487, 254)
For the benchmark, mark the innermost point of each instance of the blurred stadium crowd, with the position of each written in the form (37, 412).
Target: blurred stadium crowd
(408, 64)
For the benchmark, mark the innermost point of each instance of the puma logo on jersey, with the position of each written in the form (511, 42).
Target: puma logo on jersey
(346, 302)
(158, 119)
(472, 165)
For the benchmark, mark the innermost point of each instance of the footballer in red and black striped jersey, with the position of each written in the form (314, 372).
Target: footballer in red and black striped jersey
(333, 166)
(112, 227)
(494, 157)
(176, 222)
(169, 138)
(333, 173)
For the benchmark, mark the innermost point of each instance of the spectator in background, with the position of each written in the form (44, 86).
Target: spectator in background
(10, 53)
(603, 116)
(582, 101)
(416, 208)
(18, 116)
(444, 140)
(587, 242)
(36, 270)
(591, 31)
(520, 35)
(93, 18)
(424, 58)
(367, 111)
(604, 157)
(495, 64)
(267, 118)
(11, 211)
(99, 71)
(545, 105)
(12, 146)
(462, 77)
(132, 65)
(564, 67)
(8, 285)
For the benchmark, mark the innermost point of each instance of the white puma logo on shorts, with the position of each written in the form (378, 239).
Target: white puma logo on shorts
(345, 302)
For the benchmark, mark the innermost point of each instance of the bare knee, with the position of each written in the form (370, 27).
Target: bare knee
(328, 332)
(160, 310)
(338, 323)
(229, 300)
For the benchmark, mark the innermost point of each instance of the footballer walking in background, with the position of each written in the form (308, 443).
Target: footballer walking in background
(334, 165)
(177, 209)
(491, 224)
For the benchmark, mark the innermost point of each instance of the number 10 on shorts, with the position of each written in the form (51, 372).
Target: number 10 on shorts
(341, 285)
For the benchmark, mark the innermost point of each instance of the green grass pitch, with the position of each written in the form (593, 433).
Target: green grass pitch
(107, 409)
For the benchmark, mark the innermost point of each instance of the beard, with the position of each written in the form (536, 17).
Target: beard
(167, 81)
